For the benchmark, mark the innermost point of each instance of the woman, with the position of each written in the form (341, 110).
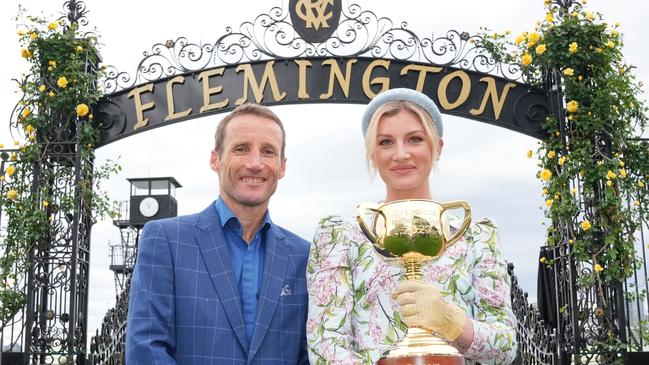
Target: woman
(358, 304)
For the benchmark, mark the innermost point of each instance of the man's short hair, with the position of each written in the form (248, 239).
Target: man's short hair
(244, 109)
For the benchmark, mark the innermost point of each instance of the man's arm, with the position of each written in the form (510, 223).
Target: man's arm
(150, 333)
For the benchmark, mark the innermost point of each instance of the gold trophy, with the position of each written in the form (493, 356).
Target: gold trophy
(409, 233)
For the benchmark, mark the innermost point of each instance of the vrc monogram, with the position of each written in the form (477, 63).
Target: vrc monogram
(307, 9)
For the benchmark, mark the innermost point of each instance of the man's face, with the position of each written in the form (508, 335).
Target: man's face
(251, 163)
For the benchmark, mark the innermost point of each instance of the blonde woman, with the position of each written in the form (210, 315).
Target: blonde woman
(359, 306)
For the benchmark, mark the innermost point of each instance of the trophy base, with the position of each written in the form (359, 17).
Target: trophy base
(423, 360)
(420, 347)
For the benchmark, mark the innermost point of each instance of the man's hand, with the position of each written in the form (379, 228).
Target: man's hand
(422, 305)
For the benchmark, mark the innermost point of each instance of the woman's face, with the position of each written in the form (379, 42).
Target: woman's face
(403, 156)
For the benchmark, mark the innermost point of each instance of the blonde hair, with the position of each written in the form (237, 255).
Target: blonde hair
(391, 108)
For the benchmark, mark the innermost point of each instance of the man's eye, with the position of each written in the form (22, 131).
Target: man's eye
(268, 152)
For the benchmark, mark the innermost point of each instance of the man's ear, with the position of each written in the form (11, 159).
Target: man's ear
(214, 161)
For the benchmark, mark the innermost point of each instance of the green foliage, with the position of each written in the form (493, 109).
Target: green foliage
(55, 112)
(592, 164)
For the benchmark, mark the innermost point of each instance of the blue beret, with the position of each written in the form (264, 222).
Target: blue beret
(403, 94)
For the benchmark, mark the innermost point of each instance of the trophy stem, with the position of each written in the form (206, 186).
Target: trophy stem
(412, 262)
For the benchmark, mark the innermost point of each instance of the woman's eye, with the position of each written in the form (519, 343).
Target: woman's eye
(416, 139)
(385, 142)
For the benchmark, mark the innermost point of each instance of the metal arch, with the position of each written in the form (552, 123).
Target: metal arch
(271, 36)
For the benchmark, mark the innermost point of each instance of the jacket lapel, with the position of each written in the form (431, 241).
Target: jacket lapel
(214, 249)
(275, 262)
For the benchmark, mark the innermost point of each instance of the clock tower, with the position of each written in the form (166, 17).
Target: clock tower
(152, 198)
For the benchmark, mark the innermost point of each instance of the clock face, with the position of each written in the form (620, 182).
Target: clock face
(149, 207)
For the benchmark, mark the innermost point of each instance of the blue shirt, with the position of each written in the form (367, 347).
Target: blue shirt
(247, 260)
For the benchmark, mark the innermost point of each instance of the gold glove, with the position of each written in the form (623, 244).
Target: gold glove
(422, 305)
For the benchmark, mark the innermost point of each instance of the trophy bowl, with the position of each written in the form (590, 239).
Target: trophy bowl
(408, 233)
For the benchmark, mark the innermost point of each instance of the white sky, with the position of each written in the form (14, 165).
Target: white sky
(326, 171)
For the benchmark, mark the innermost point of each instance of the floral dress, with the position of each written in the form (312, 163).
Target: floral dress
(353, 318)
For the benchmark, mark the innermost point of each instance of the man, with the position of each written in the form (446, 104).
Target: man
(224, 286)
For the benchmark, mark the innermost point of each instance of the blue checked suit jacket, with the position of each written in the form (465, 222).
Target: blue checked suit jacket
(185, 306)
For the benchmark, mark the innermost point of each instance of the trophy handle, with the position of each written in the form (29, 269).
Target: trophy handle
(363, 208)
(467, 217)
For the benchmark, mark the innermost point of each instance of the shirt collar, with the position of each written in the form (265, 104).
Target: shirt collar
(225, 214)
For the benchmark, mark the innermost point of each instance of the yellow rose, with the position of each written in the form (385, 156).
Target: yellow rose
(573, 191)
(50, 68)
(609, 183)
(641, 184)
(598, 268)
(79, 49)
(598, 50)
(549, 18)
(573, 48)
(529, 153)
(585, 225)
(540, 49)
(526, 60)
(551, 154)
(25, 53)
(52, 26)
(561, 161)
(52, 63)
(10, 170)
(2, 145)
(41, 88)
(617, 24)
(33, 36)
(636, 203)
(610, 44)
(590, 16)
(571, 241)
(621, 163)
(611, 175)
(46, 203)
(51, 94)
(543, 260)
(549, 202)
(614, 32)
(13, 156)
(546, 174)
(534, 37)
(29, 128)
(26, 112)
(580, 77)
(520, 38)
(572, 106)
(568, 72)
(623, 173)
(12, 194)
(62, 82)
(82, 110)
